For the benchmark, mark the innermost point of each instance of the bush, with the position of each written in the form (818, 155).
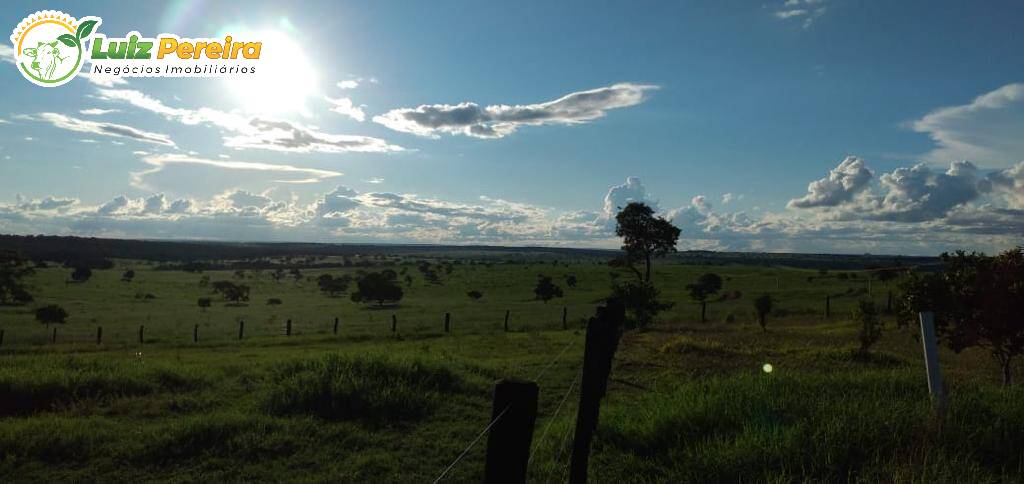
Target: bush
(475, 295)
(870, 325)
(371, 389)
(51, 314)
(273, 302)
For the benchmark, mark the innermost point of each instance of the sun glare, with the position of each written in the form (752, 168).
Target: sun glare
(284, 79)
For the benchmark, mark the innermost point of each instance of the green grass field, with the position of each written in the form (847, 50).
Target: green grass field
(687, 402)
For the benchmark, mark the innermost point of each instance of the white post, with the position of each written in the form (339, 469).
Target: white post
(931, 359)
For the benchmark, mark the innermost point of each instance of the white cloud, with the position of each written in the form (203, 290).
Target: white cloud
(242, 132)
(497, 121)
(348, 84)
(843, 183)
(987, 131)
(97, 111)
(806, 10)
(374, 181)
(283, 173)
(345, 107)
(103, 129)
(102, 80)
(7, 54)
(619, 196)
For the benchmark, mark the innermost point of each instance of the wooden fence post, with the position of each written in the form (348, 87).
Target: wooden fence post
(602, 340)
(195, 333)
(506, 320)
(828, 306)
(508, 444)
(447, 322)
(394, 323)
(931, 360)
(888, 302)
(335, 325)
(288, 328)
(54, 338)
(142, 333)
(565, 315)
(703, 311)
(99, 335)
(241, 329)
(1, 338)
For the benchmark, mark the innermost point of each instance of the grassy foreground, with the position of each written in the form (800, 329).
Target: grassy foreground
(688, 402)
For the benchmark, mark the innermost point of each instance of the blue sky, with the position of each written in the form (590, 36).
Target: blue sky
(783, 125)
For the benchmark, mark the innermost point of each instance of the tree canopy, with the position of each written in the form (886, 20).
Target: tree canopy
(12, 269)
(644, 237)
(546, 289)
(377, 287)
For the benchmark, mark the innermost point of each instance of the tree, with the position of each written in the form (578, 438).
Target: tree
(546, 289)
(475, 295)
(81, 274)
(641, 302)
(706, 285)
(235, 293)
(203, 303)
(274, 301)
(128, 275)
(333, 286)
(644, 237)
(870, 325)
(977, 300)
(762, 306)
(12, 269)
(52, 314)
(378, 287)
(296, 274)
(570, 280)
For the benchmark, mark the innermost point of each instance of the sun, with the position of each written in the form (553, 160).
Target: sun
(284, 79)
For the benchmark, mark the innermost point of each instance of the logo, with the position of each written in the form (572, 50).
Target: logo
(50, 50)
(48, 46)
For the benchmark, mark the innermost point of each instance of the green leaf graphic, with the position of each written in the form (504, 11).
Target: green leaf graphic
(85, 29)
(68, 40)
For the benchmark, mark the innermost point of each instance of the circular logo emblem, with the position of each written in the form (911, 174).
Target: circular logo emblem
(48, 46)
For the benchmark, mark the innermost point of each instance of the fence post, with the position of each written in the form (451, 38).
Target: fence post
(195, 333)
(241, 329)
(506, 320)
(394, 323)
(1, 338)
(888, 302)
(703, 311)
(508, 444)
(335, 325)
(54, 338)
(288, 328)
(602, 340)
(565, 314)
(142, 332)
(931, 360)
(447, 322)
(828, 306)
(99, 335)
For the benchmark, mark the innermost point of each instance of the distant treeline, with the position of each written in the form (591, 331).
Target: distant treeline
(203, 255)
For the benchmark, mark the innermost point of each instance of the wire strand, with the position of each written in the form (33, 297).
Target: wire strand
(553, 360)
(554, 415)
(471, 444)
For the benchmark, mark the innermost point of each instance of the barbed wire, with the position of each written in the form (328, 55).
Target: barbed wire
(471, 444)
(554, 415)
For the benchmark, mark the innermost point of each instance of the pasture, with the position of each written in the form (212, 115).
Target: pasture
(687, 401)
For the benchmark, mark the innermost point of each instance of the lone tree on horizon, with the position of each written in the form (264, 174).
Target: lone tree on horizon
(644, 237)
(377, 287)
(546, 289)
(977, 300)
(706, 285)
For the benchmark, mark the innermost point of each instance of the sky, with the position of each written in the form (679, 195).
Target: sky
(827, 126)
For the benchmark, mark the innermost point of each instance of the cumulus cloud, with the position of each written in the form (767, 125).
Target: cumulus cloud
(1009, 184)
(986, 131)
(242, 132)
(619, 196)
(843, 182)
(344, 106)
(46, 204)
(7, 54)
(498, 121)
(348, 84)
(103, 129)
(101, 80)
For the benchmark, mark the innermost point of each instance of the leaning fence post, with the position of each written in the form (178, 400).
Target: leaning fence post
(447, 322)
(506, 320)
(335, 325)
(99, 335)
(601, 341)
(514, 411)
(931, 360)
(394, 323)
(195, 333)
(142, 330)
(241, 329)
(288, 328)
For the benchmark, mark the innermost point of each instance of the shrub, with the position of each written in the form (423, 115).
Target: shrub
(51, 314)
(475, 295)
(870, 325)
(273, 302)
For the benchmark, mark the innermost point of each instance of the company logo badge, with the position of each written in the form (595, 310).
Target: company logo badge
(48, 46)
